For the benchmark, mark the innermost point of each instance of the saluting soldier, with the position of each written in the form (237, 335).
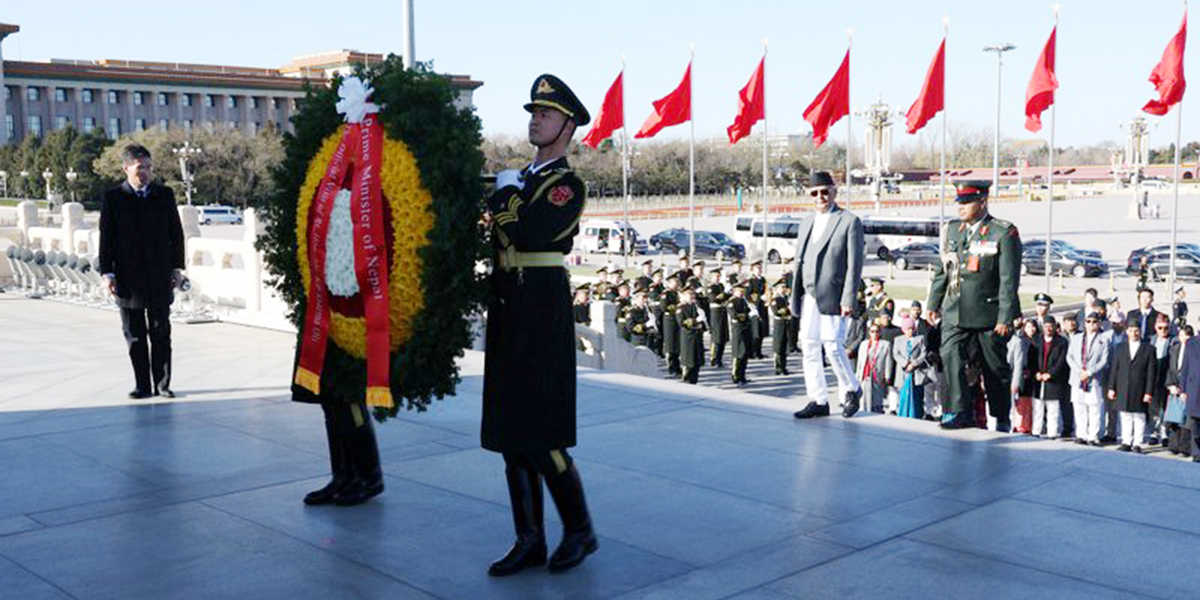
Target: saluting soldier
(692, 324)
(756, 288)
(975, 290)
(718, 317)
(670, 327)
(739, 331)
(529, 368)
(640, 321)
(781, 308)
(583, 305)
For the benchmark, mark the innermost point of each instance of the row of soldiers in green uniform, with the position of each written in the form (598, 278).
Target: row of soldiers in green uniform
(670, 315)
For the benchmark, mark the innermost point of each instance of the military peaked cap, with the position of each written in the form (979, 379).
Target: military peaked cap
(551, 92)
(972, 190)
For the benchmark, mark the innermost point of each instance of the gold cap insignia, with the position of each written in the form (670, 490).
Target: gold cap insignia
(544, 87)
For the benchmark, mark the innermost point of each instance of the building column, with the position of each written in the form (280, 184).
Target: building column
(77, 96)
(245, 112)
(52, 103)
(3, 104)
(178, 98)
(104, 111)
(21, 123)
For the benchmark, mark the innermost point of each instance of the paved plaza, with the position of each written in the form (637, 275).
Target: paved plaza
(696, 492)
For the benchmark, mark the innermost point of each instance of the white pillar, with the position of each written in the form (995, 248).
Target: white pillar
(72, 220)
(253, 261)
(27, 214)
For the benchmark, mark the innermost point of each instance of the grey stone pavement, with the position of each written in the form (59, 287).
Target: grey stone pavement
(696, 492)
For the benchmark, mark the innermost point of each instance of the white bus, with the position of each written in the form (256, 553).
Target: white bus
(781, 235)
(888, 233)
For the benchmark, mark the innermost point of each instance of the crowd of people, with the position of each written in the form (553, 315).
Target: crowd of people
(1096, 375)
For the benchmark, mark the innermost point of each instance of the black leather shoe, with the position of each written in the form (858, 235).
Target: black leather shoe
(812, 410)
(850, 406)
(166, 393)
(1196, 459)
(1096, 443)
(139, 394)
(1124, 448)
(960, 421)
(1081, 441)
(1137, 449)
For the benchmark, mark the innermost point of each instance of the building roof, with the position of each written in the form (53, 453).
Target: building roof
(6, 29)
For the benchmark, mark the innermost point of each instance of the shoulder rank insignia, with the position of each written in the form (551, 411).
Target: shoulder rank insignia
(560, 195)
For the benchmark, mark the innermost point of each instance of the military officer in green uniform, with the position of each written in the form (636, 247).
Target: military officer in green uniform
(529, 367)
(756, 290)
(718, 317)
(692, 324)
(646, 278)
(639, 321)
(623, 302)
(654, 297)
(975, 291)
(739, 332)
(781, 326)
(582, 307)
(600, 288)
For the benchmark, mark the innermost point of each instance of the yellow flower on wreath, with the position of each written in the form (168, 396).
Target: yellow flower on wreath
(412, 220)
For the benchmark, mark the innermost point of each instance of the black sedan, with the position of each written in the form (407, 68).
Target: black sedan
(708, 243)
(1135, 257)
(1033, 262)
(1060, 245)
(918, 256)
(1187, 265)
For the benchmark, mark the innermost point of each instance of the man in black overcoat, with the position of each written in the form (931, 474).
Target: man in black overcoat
(141, 257)
(529, 368)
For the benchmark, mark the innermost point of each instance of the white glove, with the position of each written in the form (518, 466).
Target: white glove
(511, 177)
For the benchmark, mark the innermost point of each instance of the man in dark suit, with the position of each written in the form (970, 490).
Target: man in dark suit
(829, 261)
(1145, 315)
(1130, 385)
(141, 257)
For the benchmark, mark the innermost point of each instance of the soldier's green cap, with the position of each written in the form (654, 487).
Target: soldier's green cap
(656, 272)
(624, 283)
(584, 288)
(551, 92)
(1043, 298)
(757, 262)
(698, 263)
(648, 261)
(781, 282)
(714, 270)
(602, 270)
(972, 190)
(640, 290)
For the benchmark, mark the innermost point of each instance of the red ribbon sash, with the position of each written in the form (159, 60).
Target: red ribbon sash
(371, 259)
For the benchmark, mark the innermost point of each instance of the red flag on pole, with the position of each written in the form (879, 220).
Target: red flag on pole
(612, 114)
(672, 109)
(1167, 75)
(1040, 93)
(752, 106)
(933, 93)
(831, 104)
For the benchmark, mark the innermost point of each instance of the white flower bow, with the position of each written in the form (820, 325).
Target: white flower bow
(353, 94)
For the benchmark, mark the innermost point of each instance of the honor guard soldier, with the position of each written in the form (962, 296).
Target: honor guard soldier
(878, 299)
(639, 321)
(600, 288)
(734, 275)
(789, 277)
(583, 305)
(691, 335)
(616, 276)
(756, 289)
(739, 332)
(670, 327)
(975, 290)
(622, 302)
(685, 268)
(718, 317)
(781, 308)
(701, 288)
(645, 279)
(654, 296)
(529, 367)
(1180, 308)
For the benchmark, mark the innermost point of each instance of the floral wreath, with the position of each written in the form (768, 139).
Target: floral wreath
(427, 191)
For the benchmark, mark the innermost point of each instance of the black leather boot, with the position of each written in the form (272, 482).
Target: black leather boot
(525, 497)
(339, 463)
(578, 540)
(364, 458)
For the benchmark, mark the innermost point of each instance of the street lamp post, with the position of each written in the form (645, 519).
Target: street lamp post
(877, 147)
(184, 153)
(71, 177)
(999, 50)
(47, 175)
(1137, 148)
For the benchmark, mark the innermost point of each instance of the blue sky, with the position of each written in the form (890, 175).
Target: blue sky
(1106, 50)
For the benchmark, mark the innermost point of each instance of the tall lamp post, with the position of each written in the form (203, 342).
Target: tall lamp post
(999, 50)
(71, 177)
(186, 152)
(1137, 150)
(877, 147)
(47, 175)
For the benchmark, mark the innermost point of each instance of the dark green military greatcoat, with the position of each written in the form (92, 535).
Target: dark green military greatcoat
(719, 317)
(975, 289)
(638, 325)
(530, 324)
(691, 339)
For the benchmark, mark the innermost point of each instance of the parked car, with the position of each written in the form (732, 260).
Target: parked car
(1135, 256)
(708, 243)
(216, 214)
(1033, 262)
(607, 236)
(1060, 245)
(917, 256)
(1187, 265)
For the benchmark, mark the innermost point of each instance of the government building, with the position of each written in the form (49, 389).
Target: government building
(123, 96)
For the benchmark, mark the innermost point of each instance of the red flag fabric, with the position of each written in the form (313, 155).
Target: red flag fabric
(1167, 75)
(1040, 93)
(831, 104)
(672, 109)
(612, 114)
(752, 105)
(933, 93)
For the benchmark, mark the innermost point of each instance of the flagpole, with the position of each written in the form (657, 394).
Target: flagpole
(626, 233)
(1050, 175)
(1175, 202)
(849, 130)
(942, 171)
(691, 164)
(766, 211)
